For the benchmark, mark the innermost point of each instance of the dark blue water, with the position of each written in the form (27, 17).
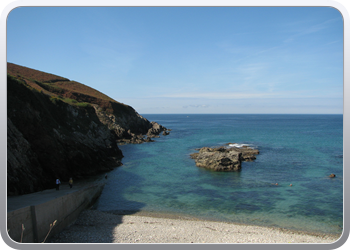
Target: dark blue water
(301, 150)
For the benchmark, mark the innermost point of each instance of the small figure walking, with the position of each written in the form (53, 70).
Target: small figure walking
(71, 182)
(58, 184)
(106, 176)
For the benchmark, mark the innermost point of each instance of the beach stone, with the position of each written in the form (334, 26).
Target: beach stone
(224, 158)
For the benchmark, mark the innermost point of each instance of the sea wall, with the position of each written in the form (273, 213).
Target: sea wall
(37, 219)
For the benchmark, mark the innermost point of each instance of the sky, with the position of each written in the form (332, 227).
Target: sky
(185, 60)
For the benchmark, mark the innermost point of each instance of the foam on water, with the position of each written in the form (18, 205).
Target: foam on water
(238, 145)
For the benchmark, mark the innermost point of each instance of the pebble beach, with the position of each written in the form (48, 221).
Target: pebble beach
(93, 226)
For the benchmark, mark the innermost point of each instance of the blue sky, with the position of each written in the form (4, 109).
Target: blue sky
(190, 59)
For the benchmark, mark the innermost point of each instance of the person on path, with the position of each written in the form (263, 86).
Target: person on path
(58, 184)
(71, 182)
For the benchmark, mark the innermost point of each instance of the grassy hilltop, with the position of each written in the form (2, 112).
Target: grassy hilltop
(71, 92)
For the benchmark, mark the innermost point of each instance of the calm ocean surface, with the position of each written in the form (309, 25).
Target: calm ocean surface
(294, 149)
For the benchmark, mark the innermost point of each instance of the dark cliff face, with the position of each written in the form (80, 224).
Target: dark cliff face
(51, 139)
(51, 134)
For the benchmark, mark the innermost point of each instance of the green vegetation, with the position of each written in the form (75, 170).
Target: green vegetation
(49, 87)
(13, 78)
(75, 102)
(54, 100)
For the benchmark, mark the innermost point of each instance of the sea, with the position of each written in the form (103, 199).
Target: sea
(302, 150)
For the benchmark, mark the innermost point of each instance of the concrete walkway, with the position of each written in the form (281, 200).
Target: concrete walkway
(20, 201)
(37, 211)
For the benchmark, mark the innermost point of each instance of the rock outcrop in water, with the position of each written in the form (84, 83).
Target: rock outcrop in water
(224, 158)
(57, 128)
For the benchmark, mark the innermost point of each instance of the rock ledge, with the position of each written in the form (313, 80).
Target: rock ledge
(224, 158)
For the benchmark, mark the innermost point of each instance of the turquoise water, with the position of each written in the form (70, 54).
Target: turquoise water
(301, 150)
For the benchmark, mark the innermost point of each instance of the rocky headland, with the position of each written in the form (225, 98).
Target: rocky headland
(57, 128)
(224, 158)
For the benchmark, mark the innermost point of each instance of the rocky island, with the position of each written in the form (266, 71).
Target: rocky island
(224, 158)
(58, 128)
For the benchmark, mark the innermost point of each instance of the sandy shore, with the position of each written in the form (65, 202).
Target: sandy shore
(94, 226)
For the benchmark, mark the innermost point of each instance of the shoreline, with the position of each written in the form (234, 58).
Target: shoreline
(179, 216)
(94, 226)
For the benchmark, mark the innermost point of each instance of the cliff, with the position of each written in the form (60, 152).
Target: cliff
(57, 128)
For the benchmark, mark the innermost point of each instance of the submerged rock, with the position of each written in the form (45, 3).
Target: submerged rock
(224, 158)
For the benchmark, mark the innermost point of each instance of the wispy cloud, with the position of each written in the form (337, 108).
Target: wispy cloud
(311, 29)
(221, 95)
(248, 95)
(196, 106)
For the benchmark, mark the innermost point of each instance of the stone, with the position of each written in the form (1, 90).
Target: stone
(155, 130)
(224, 158)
